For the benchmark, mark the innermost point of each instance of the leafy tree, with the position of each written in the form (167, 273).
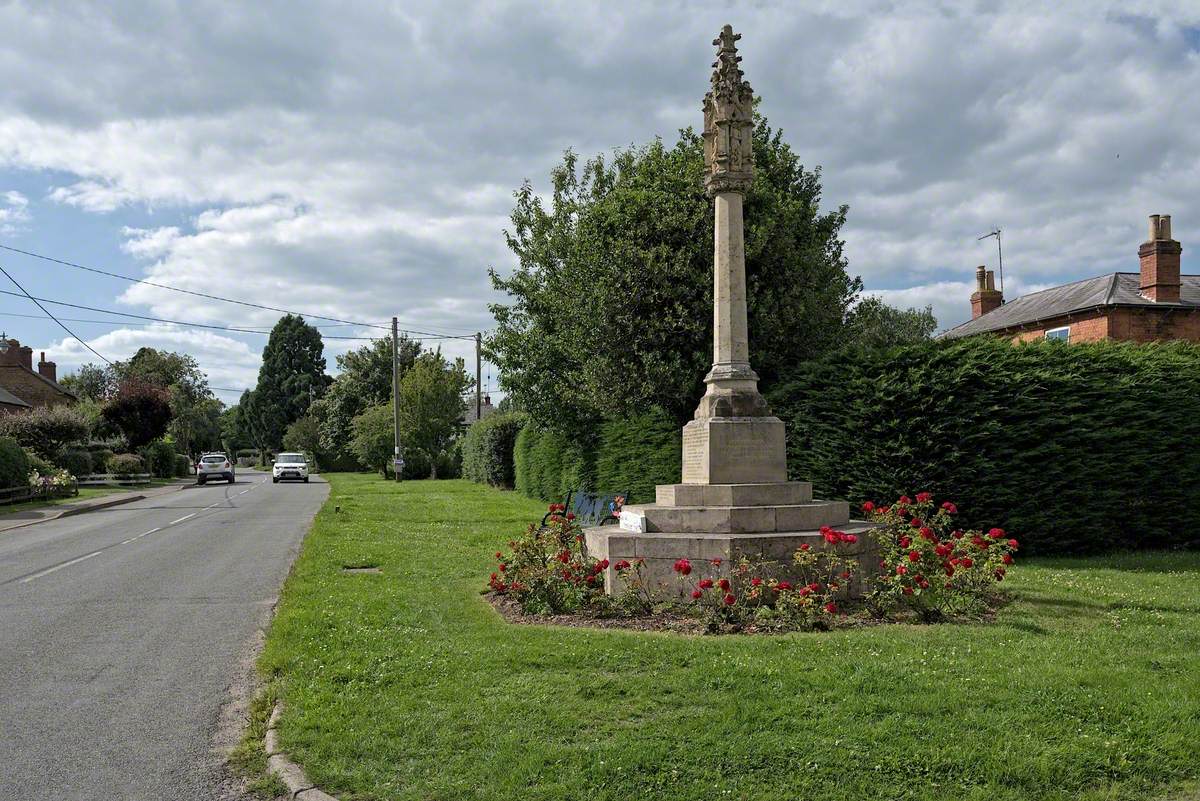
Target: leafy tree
(610, 306)
(292, 376)
(365, 379)
(46, 430)
(305, 436)
(431, 406)
(874, 324)
(371, 442)
(91, 382)
(141, 411)
(234, 435)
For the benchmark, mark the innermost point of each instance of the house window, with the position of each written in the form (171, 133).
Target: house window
(1060, 334)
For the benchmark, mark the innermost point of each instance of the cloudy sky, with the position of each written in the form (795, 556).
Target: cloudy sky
(357, 160)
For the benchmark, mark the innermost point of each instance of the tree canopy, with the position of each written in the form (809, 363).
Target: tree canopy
(291, 378)
(874, 324)
(610, 305)
(431, 405)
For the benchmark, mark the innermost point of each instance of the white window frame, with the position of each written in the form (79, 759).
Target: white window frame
(1065, 329)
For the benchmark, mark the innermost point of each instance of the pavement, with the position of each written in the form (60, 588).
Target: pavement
(28, 517)
(123, 630)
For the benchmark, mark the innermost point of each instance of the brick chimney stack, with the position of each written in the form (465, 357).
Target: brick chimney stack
(26, 357)
(1159, 257)
(986, 297)
(47, 369)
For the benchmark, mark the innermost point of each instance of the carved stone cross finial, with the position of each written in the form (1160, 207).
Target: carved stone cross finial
(728, 121)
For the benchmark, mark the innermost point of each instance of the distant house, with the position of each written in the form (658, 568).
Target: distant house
(23, 388)
(1156, 303)
(485, 409)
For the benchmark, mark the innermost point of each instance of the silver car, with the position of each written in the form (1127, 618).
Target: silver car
(214, 466)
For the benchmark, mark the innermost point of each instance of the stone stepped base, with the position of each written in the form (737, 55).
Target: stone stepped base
(735, 519)
(661, 550)
(776, 493)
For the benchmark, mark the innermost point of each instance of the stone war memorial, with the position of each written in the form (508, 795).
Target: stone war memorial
(735, 500)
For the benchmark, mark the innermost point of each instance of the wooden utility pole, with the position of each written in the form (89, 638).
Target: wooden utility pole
(478, 376)
(395, 396)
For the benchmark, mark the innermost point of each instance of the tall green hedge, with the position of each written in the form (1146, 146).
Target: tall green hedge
(631, 455)
(1072, 448)
(487, 449)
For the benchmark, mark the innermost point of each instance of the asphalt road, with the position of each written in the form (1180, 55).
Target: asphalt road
(120, 635)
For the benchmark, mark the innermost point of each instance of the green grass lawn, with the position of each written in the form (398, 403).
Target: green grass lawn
(406, 685)
(84, 494)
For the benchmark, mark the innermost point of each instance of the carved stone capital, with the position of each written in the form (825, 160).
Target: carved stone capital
(717, 183)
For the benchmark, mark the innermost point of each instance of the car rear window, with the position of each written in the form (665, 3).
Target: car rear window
(213, 460)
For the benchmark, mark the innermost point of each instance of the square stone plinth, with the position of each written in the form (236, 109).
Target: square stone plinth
(660, 551)
(734, 450)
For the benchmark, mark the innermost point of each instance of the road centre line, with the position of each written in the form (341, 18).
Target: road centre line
(50, 570)
(180, 520)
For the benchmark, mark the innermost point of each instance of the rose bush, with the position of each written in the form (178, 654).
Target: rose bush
(929, 565)
(547, 570)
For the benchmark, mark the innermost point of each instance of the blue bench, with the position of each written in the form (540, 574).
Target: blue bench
(593, 508)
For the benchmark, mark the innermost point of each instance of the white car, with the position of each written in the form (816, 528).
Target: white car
(214, 466)
(290, 466)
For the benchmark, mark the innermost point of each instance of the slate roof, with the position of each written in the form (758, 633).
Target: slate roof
(1114, 289)
(9, 399)
(30, 385)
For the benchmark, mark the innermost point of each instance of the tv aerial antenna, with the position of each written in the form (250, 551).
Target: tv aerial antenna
(999, 251)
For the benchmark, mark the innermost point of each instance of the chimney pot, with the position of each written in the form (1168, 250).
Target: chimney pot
(1159, 259)
(26, 356)
(985, 297)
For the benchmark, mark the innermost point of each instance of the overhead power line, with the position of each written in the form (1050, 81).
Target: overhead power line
(213, 326)
(61, 325)
(208, 296)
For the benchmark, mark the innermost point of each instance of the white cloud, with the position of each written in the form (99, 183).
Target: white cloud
(14, 212)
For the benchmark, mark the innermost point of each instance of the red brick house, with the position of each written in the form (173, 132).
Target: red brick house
(21, 387)
(1156, 303)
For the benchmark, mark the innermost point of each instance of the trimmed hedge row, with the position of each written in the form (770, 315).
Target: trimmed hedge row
(487, 449)
(630, 455)
(1072, 448)
(14, 464)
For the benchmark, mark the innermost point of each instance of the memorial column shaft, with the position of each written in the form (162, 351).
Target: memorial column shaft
(730, 331)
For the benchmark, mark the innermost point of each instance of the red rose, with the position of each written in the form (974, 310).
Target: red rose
(907, 590)
(950, 508)
(683, 567)
(622, 565)
(696, 595)
(499, 555)
(570, 515)
(845, 574)
(904, 499)
(927, 533)
(715, 562)
(924, 497)
(958, 535)
(943, 550)
(804, 546)
(1012, 544)
(564, 556)
(999, 574)
(905, 541)
(901, 570)
(730, 600)
(1006, 559)
(868, 507)
(949, 572)
(831, 608)
(783, 586)
(503, 567)
(756, 582)
(850, 538)
(804, 591)
(915, 523)
(966, 561)
(724, 584)
(553, 507)
(814, 586)
(996, 534)
(706, 584)
(602, 564)
(913, 556)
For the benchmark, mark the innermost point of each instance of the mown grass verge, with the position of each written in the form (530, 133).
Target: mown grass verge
(406, 684)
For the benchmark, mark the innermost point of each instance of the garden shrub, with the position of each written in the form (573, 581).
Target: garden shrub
(549, 570)
(183, 466)
(39, 465)
(46, 430)
(14, 464)
(487, 449)
(126, 464)
(1075, 449)
(100, 456)
(159, 457)
(76, 461)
